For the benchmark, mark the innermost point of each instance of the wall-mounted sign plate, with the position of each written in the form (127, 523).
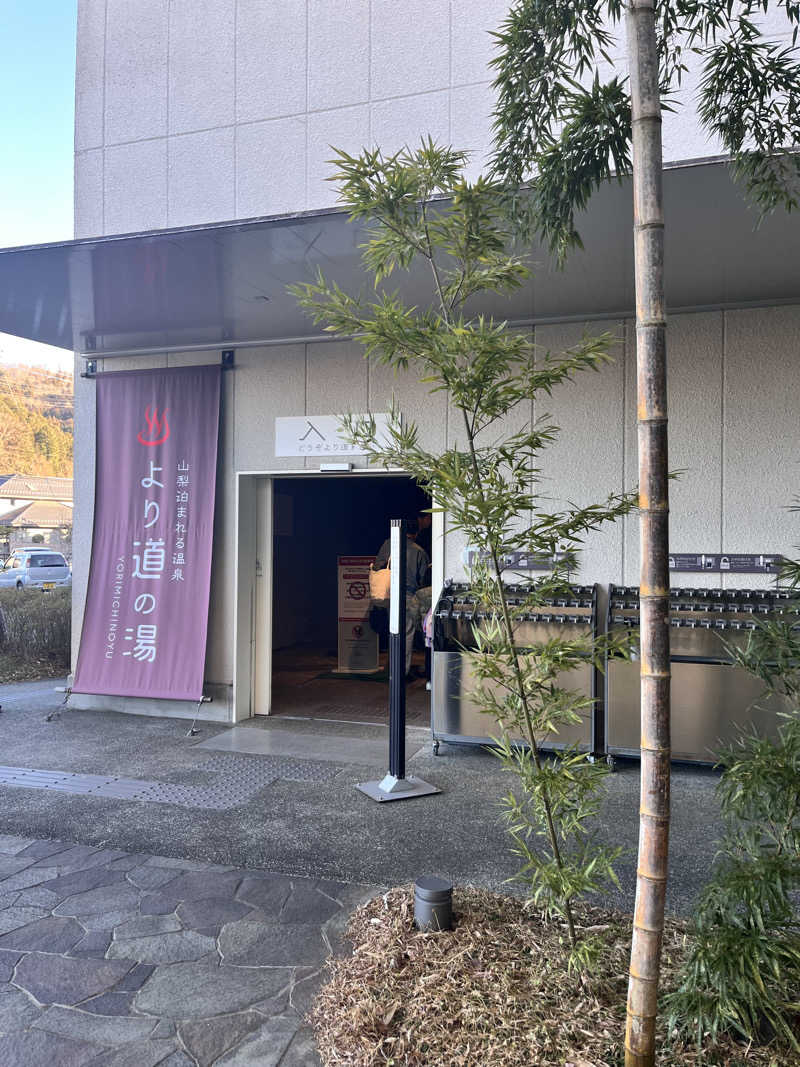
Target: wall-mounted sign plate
(734, 562)
(319, 435)
(519, 561)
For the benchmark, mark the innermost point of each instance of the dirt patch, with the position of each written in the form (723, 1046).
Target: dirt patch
(493, 992)
(15, 669)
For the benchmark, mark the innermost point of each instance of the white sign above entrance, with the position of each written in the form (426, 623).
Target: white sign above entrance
(319, 435)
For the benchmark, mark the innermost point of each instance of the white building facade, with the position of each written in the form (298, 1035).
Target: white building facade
(209, 111)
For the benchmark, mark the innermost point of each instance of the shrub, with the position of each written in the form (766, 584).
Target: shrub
(36, 630)
(742, 973)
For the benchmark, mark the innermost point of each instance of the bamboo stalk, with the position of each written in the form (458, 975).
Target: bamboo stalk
(651, 362)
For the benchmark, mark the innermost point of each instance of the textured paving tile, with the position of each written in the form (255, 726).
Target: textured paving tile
(29, 877)
(94, 943)
(199, 885)
(103, 900)
(262, 770)
(163, 948)
(135, 978)
(11, 845)
(121, 949)
(178, 1059)
(38, 897)
(13, 865)
(207, 1039)
(248, 944)
(98, 1029)
(146, 877)
(306, 905)
(177, 864)
(17, 1012)
(157, 904)
(74, 858)
(37, 1048)
(60, 980)
(264, 1048)
(229, 784)
(127, 862)
(46, 935)
(307, 982)
(186, 990)
(109, 1004)
(269, 894)
(211, 912)
(146, 926)
(39, 850)
(82, 881)
(8, 961)
(14, 917)
(140, 1054)
(302, 1051)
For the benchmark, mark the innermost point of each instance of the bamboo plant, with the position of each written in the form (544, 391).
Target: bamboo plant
(488, 480)
(742, 971)
(563, 119)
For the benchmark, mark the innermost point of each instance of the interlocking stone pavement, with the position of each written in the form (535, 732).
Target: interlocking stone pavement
(111, 959)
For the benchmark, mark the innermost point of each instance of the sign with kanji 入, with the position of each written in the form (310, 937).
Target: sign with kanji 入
(146, 617)
(319, 435)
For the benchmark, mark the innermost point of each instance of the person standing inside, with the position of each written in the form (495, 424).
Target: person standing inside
(418, 594)
(425, 534)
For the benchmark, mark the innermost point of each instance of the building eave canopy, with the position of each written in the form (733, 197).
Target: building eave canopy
(225, 284)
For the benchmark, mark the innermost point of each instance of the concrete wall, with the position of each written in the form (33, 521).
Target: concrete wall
(734, 394)
(192, 111)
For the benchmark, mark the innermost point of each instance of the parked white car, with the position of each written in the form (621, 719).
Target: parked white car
(35, 568)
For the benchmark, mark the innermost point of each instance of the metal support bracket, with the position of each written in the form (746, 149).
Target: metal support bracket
(193, 731)
(65, 689)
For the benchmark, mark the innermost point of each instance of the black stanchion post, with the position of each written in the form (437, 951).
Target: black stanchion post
(397, 651)
(395, 785)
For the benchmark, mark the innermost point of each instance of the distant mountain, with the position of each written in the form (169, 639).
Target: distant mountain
(36, 409)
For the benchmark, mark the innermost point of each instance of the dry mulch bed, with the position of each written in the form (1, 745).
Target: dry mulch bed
(492, 993)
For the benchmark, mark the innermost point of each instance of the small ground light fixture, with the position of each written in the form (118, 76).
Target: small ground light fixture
(433, 904)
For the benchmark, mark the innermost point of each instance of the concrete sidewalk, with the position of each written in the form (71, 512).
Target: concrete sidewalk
(130, 960)
(142, 785)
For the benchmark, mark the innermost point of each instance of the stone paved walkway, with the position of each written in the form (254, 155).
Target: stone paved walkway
(117, 959)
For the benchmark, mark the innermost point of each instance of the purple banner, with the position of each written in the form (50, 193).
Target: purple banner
(146, 618)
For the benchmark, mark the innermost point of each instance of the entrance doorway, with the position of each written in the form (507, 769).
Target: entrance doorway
(315, 521)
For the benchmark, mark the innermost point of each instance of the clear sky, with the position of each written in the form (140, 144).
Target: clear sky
(37, 107)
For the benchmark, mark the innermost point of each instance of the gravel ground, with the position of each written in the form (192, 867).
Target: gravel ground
(319, 827)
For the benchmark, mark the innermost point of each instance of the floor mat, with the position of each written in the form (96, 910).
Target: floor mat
(378, 676)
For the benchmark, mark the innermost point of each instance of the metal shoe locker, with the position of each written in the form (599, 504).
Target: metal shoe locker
(711, 697)
(456, 718)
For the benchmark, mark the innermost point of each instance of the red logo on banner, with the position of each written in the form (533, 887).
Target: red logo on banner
(157, 429)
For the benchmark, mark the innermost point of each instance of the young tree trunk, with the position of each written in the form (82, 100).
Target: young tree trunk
(651, 874)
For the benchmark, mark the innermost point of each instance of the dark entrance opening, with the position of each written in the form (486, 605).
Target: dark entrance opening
(316, 520)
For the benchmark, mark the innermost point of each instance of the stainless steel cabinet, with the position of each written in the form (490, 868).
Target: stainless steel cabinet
(456, 717)
(710, 697)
